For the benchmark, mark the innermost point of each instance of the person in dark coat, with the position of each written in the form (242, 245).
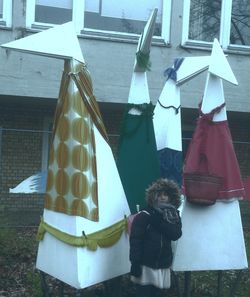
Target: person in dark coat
(152, 231)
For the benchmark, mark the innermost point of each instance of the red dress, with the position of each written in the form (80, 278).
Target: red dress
(211, 150)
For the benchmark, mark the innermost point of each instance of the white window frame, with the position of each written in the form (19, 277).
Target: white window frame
(6, 20)
(166, 20)
(225, 28)
(78, 19)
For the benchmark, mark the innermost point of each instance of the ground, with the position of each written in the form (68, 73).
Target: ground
(19, 277)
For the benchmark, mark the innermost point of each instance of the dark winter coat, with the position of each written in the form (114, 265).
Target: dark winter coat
(150, 239)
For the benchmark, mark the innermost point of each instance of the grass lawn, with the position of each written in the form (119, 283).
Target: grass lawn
(19, 278)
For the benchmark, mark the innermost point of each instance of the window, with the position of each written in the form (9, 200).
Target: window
(226, 20)
(46, 13)
(128, 17)
(5, 13)
(53, 12)
(100, 17)
(240, 23)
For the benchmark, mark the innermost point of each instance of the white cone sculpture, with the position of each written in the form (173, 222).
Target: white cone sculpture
(167, 115)
(137, 156)
(83, 225)
(212, 235)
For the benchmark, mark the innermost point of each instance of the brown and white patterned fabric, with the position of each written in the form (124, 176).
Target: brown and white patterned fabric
(72, 176)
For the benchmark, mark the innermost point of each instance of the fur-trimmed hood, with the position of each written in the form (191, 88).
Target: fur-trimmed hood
(167, 186)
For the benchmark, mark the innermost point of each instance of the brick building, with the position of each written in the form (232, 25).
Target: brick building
(108, 36)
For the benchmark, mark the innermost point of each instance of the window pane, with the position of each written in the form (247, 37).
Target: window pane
(1, 9)
(127, 16)
(53, 11)
(240, 22)
(204, 23)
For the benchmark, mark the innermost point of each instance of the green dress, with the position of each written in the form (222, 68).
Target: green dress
(138, 162)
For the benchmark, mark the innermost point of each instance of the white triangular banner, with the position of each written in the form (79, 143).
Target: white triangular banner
(219, 65)
(59, 42)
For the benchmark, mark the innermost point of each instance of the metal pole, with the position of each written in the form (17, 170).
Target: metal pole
(219, 284)
(61, 289)
(187, 285)
(79, 293)
(44, 286)
(177, 284)
(236, 284)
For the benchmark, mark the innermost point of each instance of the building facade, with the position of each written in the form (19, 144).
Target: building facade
(108, 34)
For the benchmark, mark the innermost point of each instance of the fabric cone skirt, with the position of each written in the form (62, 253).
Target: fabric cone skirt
(211, 150)
(138, 162)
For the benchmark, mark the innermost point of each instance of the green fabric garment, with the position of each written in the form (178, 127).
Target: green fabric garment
(137, 162)
(103, 238)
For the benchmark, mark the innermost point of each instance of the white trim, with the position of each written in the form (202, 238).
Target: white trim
(30, 13)
(225, 29)
(7, 13)
(166, 20)
(78, 14)
(185, 22)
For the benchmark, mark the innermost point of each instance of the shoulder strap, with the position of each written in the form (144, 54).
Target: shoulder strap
(144, 212)
(131, 218)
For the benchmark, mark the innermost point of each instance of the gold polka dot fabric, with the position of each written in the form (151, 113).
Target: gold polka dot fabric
(72, 185)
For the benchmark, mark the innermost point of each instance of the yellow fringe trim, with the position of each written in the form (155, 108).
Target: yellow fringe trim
(103, 238)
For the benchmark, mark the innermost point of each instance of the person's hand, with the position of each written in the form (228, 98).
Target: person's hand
(136, 269)
(170, 214)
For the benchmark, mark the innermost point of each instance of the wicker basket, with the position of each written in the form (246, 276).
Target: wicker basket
(201, 188)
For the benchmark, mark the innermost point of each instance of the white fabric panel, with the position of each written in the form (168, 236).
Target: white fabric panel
(212, 238)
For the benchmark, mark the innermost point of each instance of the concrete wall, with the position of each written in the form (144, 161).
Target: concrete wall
(111, 63)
